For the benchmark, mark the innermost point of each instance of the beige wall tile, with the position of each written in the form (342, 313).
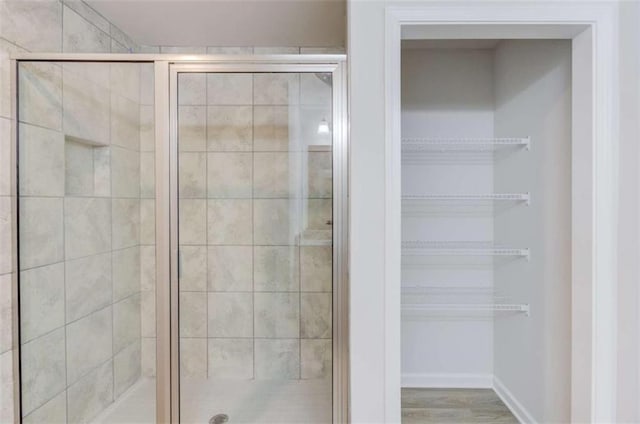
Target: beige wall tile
(126, 368)
(193, 268)
(277, 315)
(230, 268)
(125, 122)
(33, 25)
(193, 314)
(86, 104)
(316, 269)
(229, 221)
(43, 369)
(89, 342)
(231, 358)
(192, 128)
(276, 175)
(126, 272)
(125, 80)
(315, 311)
(229, 50)
(272, 222)
(53, 412)
(126, 322)
(87, 285)
(78, 169)
(40, 94)
(147, 221)
(277, 359)
(84, 10)
(319, 214)
(125, 173)
(314, 91)
(147, 129)
(147, 175)
(102, 171)
(92, 394)
(5, 156)
(125, 224)
(87, 226)
(193, 221)
(6, 387)
(80, 36)
(230, 315)
(41, 162)
(41, 300)
(6, 50)
(193, 357)
(276, 268)
(6, 240)
(276, 89)
(192, 174)
(315, 358)
(148, 313)
(271, 128)
(149, 357)
(192, 89)
(276, 50)
(41, 238)
(147, 268)
(229, 89)
(319, 177)
(229, 128)
(147, 83)
(229, 175)
(6, 313)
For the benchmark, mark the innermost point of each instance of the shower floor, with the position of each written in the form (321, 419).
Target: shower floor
(244, 401)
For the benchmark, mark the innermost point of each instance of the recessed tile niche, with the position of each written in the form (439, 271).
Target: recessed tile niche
(87, 170)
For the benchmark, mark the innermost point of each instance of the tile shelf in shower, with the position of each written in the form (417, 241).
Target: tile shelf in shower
(85, 141)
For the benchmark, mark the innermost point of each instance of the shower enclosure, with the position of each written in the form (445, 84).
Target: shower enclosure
(182, 229)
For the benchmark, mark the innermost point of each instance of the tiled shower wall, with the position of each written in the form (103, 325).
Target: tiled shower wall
(255, 226)
(80, 225)
(38, 26)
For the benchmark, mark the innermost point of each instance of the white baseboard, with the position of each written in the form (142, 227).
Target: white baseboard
(512, 403)
(453, 380)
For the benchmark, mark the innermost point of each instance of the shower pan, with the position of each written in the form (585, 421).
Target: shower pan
(182, 232)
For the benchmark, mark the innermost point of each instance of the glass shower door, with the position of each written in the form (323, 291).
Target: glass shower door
(86, 198)
(255, 178)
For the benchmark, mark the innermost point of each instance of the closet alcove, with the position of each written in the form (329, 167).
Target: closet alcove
(486, 220)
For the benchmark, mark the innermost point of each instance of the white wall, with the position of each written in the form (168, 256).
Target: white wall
(447, 93)
(533, 97)
(629, 242)
(369, 377)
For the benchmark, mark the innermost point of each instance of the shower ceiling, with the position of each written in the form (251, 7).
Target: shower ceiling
(229, 22)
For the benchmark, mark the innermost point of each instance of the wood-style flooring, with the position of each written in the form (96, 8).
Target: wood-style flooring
(469, 406)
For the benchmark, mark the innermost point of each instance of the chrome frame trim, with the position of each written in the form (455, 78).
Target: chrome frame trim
(14, 248)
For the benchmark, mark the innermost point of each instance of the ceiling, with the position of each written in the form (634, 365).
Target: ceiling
(318, 23)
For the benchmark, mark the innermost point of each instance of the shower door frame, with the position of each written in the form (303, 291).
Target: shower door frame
(339, 198)
(166, 68)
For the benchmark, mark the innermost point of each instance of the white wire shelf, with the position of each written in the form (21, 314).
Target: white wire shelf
(441, 248)
(467, 307)
(446, 289)
(463, 144)
(513, 197)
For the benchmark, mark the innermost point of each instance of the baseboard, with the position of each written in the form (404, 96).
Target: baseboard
(453, 380)
(512, 403)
